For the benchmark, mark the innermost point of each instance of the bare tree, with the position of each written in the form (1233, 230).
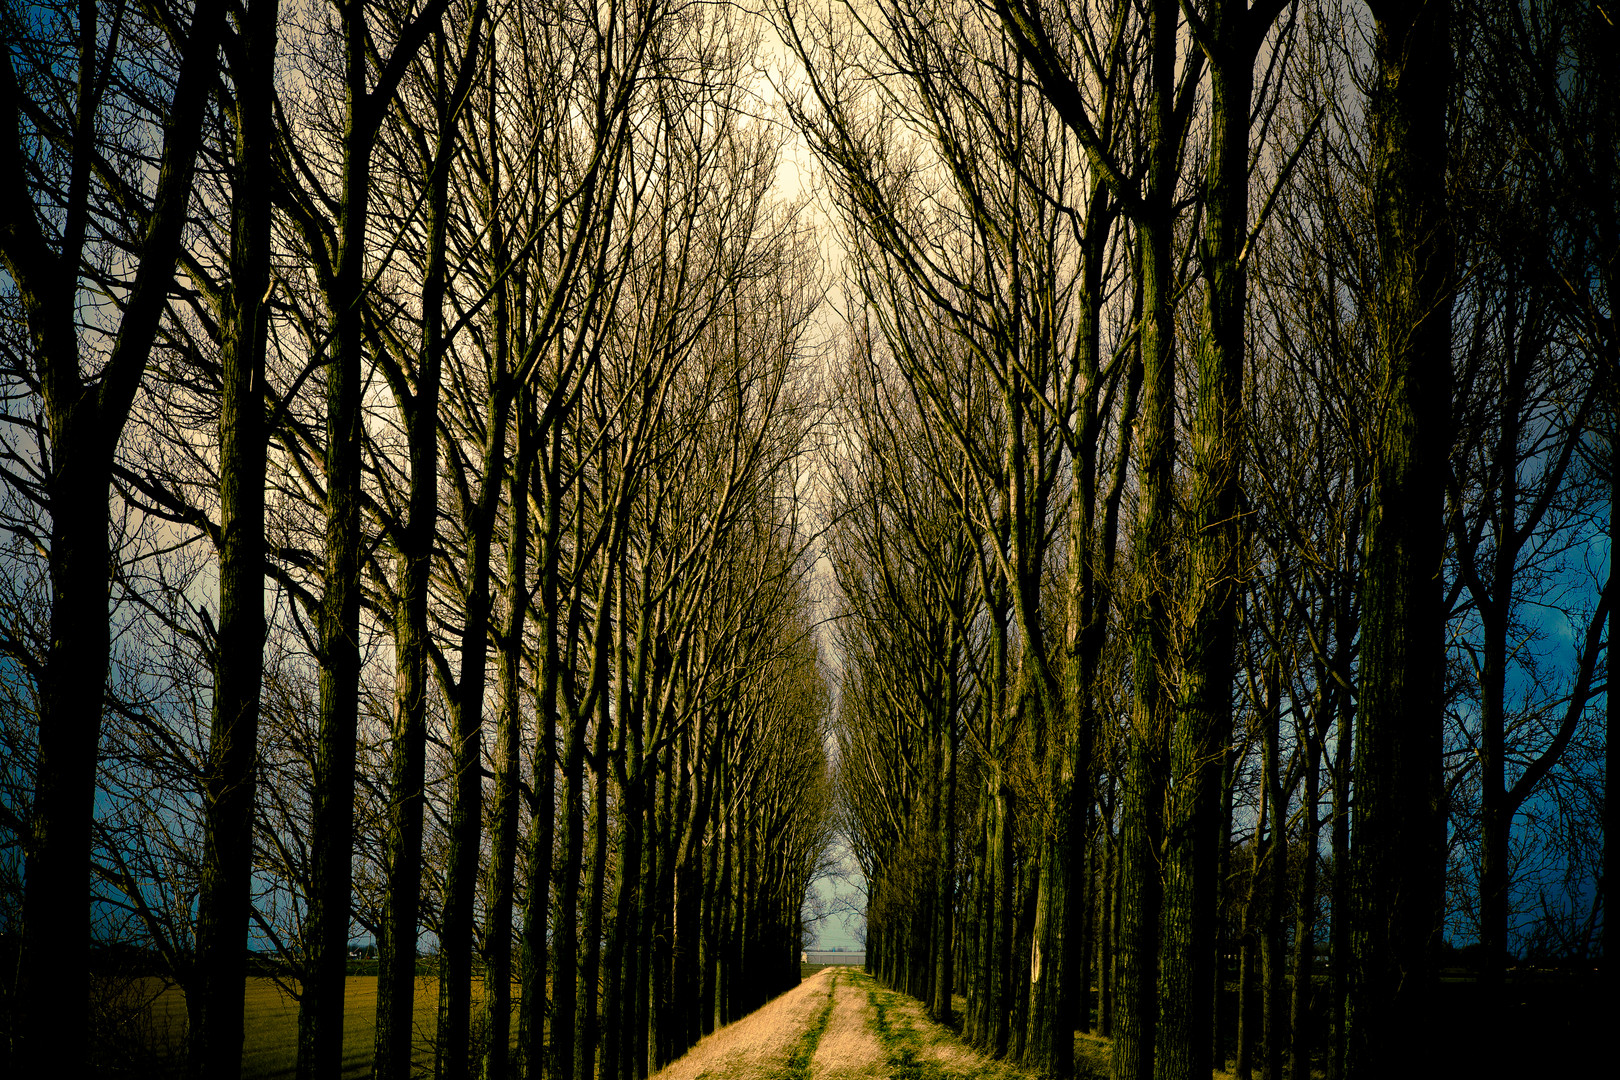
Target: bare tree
(70, 218)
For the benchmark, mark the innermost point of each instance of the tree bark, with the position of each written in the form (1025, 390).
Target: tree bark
(1143, 806)
(1276, 878)
(509, 776)
(224, 906)
(320, 1009)
(1339, 891)
(1301, 1041)
(83, 425)
(542, 825)
(1232, 34)
(945, 878)
(1399, 814)
(396, 969)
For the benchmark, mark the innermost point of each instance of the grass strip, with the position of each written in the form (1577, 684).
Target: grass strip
(798, 1062)
(900, 1040)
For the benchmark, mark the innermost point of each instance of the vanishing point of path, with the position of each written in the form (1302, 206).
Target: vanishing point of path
(839, 1024)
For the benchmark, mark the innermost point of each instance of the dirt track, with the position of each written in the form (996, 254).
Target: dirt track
(839, 1024)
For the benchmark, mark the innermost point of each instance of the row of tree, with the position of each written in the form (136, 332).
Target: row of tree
(405, 406)
(1220, 526)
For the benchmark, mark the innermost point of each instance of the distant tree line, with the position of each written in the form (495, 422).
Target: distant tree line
(1221, 517)
(406, 408)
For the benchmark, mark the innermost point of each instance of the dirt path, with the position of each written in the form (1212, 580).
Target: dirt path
(767, 1043)
(839, 1024)
(849, 1046)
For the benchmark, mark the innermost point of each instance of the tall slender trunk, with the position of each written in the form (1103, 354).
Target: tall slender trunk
(224, 906)
(1060, 879)
(320, 1012)
(533, 966)
(720, 899)
(1276, 877)
(396, 971)
(1495, 607)
(687, 950)
(508, 778)
(1107, 888)
(1143, 804)
(1248, 1022)
(1399, 814)
(1136, 945)
(1204, 712)
(1085, 948)
(456, 945)
(456, 950)
(618, 978)
(1339, 891)
(651, 970)
(1611, 754)
(565, 971)
(1221, 1024)
(1300, 1044)
(746, 980)
(981, 908)
(1003, 876)
(945, 878)
(587, 1003)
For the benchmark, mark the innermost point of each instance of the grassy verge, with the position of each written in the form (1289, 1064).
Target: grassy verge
(919, 1049)
(798, 1062)
(901, 1041)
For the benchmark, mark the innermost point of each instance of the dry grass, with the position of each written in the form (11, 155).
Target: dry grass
(938, 1051)
(1093, 1055)
(849, 1047)
(756, 1047)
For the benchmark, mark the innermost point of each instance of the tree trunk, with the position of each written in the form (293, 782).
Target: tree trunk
(509, 777)
(945, 878)
(1136, 945)
(586, 1003)
(1143, 806)
(320, 1011)
(396, 970)
(1221, 1024)
(1339, 892)
(456, 945)
(618, 979)
(1107, 888)
(565, 972)
(224, 906)
(1276, 878)
(1399, 814)
(1299, 1051)
(83, 424)
(1203, 719)
(1247, 1022)
(542, 826)
(1003, 876)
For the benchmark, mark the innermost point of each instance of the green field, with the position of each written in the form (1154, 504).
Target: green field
(145, 1025)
